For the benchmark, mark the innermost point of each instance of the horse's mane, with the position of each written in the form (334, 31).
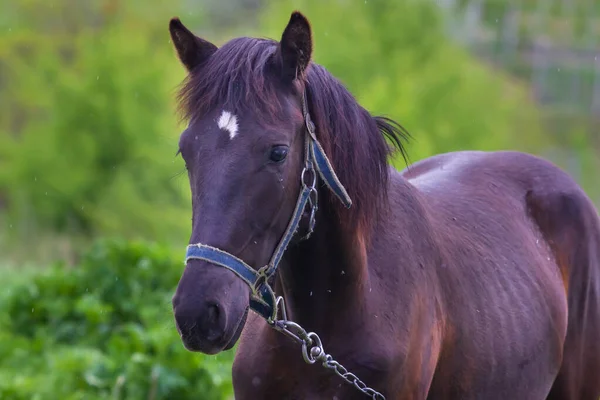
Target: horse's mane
(237, 76)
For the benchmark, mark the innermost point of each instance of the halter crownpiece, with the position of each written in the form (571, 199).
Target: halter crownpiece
(262, 297)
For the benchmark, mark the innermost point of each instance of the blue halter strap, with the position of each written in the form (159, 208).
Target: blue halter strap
(262, 297)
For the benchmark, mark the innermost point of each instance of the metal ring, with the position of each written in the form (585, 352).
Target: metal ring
(308, 356)
(314, 177)
(316, 348)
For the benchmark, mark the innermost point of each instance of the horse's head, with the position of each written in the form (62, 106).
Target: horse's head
(243, 150)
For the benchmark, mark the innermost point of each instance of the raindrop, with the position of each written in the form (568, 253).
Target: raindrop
(328, 290)
(87, 289)
(46, 193)
(98, 77)
(10, 226)
(116, 278)
(496, 19)
(558, 69)
(35, 178)
(10, 29)
(343, 272)
(310, 294)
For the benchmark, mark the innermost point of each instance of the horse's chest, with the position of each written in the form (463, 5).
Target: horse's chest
(280, 376)
(294, 386)
(264, 372)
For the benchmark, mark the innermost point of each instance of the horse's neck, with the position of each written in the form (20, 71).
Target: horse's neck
(325, 276)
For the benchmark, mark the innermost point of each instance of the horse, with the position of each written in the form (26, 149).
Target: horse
(467, 275)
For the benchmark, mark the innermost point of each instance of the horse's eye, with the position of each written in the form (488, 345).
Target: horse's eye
(278, 153)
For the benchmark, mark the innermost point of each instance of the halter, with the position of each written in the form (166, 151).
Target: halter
(262, 297)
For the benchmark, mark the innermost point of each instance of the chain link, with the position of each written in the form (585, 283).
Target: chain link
(313, 351)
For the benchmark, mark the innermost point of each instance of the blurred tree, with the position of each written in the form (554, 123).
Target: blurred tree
(397, 60)
(87, 127)
(87, 139)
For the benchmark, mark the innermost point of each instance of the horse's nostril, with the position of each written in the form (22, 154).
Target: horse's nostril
(212, 314)
(212, 323)
(201, 324)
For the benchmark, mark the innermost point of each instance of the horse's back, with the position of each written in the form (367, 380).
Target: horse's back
(526, 243)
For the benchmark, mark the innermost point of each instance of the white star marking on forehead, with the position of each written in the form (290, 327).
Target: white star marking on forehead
(228, 122)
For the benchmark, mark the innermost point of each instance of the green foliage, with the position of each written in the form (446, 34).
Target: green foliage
(87, 143)
(103, 329)
(88, 133)
(396, 59)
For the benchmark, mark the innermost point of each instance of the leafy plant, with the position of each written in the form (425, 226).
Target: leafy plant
(103, 329)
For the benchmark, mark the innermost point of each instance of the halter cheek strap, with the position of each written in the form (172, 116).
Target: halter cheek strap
(262, 298)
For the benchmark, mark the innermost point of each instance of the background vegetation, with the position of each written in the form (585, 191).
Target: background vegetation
(102, 330)
(88, 135)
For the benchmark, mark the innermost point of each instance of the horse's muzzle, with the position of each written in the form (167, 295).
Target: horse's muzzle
(202, 328)
(209, 307)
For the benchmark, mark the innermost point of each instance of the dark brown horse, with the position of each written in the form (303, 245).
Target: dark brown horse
(471, 275)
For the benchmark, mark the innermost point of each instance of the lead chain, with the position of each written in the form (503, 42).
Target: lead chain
(313, 351)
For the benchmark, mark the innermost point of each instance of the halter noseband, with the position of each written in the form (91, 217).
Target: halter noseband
(262, 297)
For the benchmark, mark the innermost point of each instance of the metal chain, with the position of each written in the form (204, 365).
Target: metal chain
(313, 351)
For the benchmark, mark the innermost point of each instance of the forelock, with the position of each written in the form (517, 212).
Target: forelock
(238, 77)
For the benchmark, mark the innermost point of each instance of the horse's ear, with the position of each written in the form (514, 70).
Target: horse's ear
(295, 47)
(191, 50)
